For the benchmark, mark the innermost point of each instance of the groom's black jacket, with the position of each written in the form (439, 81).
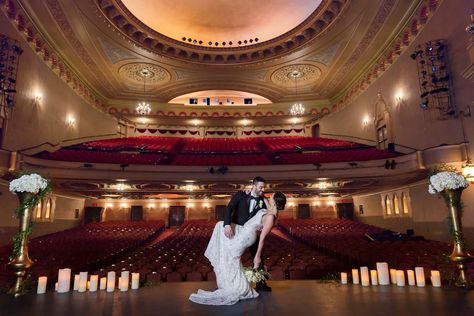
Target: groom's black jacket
(238, 209)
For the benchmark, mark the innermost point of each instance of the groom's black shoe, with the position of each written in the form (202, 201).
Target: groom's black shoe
(263, 287)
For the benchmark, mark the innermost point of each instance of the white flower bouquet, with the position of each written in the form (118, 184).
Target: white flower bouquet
(256, 275)
(31, 183)
(446, 180)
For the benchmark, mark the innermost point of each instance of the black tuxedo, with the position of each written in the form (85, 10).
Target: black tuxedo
(238, 209)
(238, 212)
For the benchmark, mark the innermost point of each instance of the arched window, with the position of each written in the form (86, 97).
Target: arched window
(404, 203)
(388, 205)
(38, 209)
(47, 211)
(396, 205)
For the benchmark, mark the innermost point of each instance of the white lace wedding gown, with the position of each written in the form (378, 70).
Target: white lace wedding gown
(224, 255)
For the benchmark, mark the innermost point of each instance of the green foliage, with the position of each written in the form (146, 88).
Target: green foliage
(444, 168)
(29, 203)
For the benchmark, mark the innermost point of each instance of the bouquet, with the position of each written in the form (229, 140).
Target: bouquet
(256, 275)
(31, 183)
(446, 180)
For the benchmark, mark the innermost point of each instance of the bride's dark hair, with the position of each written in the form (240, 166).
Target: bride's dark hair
(280, 200)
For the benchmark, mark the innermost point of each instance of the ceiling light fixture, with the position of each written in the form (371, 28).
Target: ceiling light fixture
(143, 107)
(297, 109)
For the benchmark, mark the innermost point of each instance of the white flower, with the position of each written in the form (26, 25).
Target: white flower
(255, 275)
(446, 180)
(32, 183)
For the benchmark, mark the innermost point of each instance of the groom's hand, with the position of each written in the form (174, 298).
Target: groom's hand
(228, 232)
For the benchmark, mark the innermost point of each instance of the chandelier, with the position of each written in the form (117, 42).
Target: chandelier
(297, 109)
(144, 108)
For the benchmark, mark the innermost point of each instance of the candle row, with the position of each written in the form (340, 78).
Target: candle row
(81, 282)
(381, 276)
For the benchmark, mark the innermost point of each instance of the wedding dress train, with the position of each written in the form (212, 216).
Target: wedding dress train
(224, 255)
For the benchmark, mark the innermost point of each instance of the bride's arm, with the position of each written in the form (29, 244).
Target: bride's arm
(267, 227)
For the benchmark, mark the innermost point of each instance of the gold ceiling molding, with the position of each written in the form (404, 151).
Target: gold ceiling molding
(137, 72)
(416, 23)
(114, 53)
(302, 74)
(136, 31)
(57, 12)
(27, 29)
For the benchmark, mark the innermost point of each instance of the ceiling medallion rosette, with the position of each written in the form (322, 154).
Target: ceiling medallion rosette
(138, 72)
(305, 74)
(117, 15)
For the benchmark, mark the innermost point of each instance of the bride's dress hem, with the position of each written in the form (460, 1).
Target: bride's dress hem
(224, 255)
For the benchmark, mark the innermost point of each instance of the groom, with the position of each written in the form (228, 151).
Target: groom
(240, 209)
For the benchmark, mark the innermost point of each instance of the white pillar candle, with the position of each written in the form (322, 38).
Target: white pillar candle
(136, 280)
(364, 276)
(64, 280)
(355, 276)
(42, 282)
(420, 276)
(435, 278)
(103, 283)
(373, 277)
(93, 283)
(411, 277)
(393, 276)
(400, 278)
(111, 281)
(56, 286)
(82, 282)
(119, 282)
(382, 273)
(343, 278)
(125, 277)
(76, 282)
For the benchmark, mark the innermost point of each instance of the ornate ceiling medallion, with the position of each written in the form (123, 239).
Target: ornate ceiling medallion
(138, 72)
(136, 31)
(305, 74)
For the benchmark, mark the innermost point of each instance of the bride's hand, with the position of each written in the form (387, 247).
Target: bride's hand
(256, 262)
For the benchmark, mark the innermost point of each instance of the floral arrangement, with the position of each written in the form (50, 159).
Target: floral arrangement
(31, 183)
(449, 183)
(446, 180)
(256, 275)
(37, 187)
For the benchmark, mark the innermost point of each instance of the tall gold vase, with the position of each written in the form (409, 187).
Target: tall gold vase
(460, 255)
(22, 262)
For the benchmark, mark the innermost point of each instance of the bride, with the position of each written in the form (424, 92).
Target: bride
(224, 255)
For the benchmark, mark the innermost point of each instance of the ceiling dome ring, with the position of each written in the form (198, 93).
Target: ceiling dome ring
(117, 14)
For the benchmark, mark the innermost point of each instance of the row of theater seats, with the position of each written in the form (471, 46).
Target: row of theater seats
(180, 257)
(347, 240)
(216, 151)
(277, 144)
(144, 143)
(82, 248)
(104, 157)
(221, 145)
(220, 160)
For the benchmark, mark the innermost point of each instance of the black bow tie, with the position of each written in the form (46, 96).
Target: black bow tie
(254, 198)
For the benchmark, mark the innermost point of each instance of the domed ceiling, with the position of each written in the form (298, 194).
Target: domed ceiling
(222, 23)
(330, 49)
